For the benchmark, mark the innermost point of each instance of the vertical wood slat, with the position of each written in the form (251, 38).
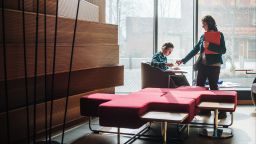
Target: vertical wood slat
(96, 47)
(30, 6)
(81, 81)
(88, 32)
(85, 57)
(18, 120)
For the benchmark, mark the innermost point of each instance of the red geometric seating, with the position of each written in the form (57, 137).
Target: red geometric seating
(220, 96)
(199, 94)
(89, 104)
(126, 110)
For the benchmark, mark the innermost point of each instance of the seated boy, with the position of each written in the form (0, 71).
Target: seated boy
(159, 60)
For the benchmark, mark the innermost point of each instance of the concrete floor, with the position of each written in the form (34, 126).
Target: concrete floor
(244, 130)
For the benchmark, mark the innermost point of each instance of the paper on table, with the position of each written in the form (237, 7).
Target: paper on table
(175, 70)
(175, 67)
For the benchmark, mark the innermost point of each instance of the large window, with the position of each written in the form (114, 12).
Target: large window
(175, 24)
(135, 24)
(135, 20)
(236, 19)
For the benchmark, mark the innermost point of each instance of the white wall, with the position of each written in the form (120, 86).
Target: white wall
(87, 11)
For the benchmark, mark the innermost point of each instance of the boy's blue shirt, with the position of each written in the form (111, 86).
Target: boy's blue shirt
(159, 61)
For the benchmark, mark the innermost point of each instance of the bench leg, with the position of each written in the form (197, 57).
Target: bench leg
(187, 130)
(118, 135)
(217, 132)
(215, 128)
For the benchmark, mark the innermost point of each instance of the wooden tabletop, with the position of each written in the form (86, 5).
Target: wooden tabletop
(175, 71)
(165, 116)
(243, 70)
(247, 71)
(216, 105)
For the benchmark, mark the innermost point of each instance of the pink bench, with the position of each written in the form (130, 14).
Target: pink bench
(126, 111)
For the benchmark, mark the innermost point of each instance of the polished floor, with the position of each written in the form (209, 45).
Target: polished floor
(244, 130)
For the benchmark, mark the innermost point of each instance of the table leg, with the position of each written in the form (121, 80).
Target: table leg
(188, 130)
(164, 132)
(215, 128)
(162, 128)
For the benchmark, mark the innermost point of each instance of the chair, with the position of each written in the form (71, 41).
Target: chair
(155, 77)
(253, 92)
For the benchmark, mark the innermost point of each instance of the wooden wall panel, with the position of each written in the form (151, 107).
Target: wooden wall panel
(11, 4)
(87, 32)
(81, 81)
(64, 24)
(85, 57)
(30, 6)
(18, 116)
(50, 6)
(95, 65)
(96, 45)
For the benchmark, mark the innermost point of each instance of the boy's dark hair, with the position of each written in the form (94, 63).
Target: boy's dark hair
(167, 45)
(211, 22)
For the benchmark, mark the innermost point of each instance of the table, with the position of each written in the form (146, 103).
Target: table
(253, 89)
(247, 71)
(172, 72)
(164, 118)
(216, 132)
(226, 85)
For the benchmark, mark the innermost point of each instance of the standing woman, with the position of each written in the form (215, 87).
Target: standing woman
(208, 64)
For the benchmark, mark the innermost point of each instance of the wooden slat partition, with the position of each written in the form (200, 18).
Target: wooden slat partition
(30, 6)
(87, 32)
(18, 116)
(13, 4)
(96, 45)
(95, 66)
(85, 57)
(81, 81)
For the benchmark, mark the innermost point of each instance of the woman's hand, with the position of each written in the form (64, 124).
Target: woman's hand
(206, 44)
(179, 62)
(169, 64)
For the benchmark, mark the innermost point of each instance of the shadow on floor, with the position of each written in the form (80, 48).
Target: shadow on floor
(95, 139)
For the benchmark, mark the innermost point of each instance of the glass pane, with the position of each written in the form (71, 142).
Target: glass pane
(111, 11)
(135, 21)
(237, 20)
(175, 24)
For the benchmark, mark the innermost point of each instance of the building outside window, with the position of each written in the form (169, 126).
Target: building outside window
(175, 24)
(135, 23)
(235, 18)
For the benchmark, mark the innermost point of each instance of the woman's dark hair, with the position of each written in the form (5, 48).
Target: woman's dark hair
(167, 45)
(211, 22)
